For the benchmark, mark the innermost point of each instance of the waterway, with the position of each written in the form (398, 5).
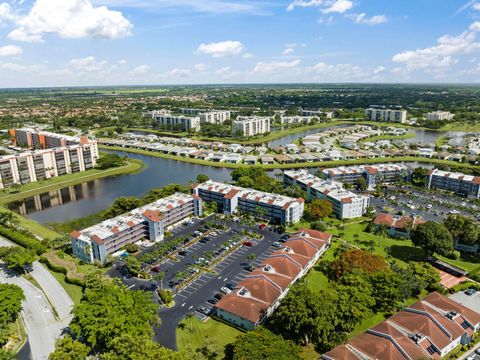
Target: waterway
(93, 196)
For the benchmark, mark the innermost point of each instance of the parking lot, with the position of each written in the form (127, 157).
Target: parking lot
(194, 298)
(425, 204)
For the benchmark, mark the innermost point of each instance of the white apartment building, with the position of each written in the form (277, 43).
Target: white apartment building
(245, 126)
(31, 166)
(388, 115)
(346, 204)
(440, 115)
(147, 222)
(231, 199)
(184, 123)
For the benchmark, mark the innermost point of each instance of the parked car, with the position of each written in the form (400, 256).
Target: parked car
(225, 290)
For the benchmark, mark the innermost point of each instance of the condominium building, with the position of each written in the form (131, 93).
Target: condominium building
(31, 166)
(147, 222)
(440, 115)
(231, 199)
(250, 126)
(390, 115)
(178, 122)
(346, 204)
(429, 329)
(33, 139)
(373, 174)
(461, 184)
(256, 297)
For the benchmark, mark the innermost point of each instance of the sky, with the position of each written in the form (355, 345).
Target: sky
(154, 42)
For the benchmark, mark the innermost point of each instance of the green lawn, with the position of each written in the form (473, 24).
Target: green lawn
(74, 291)
(202, 333)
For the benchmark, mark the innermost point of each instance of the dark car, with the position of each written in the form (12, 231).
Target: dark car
(213, 300)
(249, 268)
(230, 286)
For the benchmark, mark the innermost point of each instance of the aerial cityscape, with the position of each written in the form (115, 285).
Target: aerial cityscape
(239, 179)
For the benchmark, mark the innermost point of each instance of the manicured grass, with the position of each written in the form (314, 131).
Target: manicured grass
(202, 333)
(456, 165)
(74, 291)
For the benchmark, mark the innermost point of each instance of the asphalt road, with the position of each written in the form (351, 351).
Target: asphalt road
(231, 269)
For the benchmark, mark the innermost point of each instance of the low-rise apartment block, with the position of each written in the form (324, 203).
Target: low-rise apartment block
(390, 115)
(255, 298)
(250, 126)
(346, 204)
(461, 184)
(440, 115)
(373, 174)
(231, 199)
(429, 329)
(36, 165)
(39, 140)
(147, 222)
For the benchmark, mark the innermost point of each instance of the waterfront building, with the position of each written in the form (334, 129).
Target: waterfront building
(373, 174)
(375, 114)
(231, 199)
(147, 222)
(440, 115)
(346, 204)
(461, 184)
(256, 297)
(245, 126)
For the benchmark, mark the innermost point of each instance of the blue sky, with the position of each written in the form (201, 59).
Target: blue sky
(110, 42)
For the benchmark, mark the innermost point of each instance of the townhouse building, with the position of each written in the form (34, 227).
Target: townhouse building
(147, 222)
(389, 115)
(373, 174)
(36, 165)
(256, 297)
(346, 204)
(429, 329)
(461, 184)
(231, 199)
(245, 126)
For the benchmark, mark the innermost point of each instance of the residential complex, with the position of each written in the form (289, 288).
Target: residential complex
(255, 298)
(373, 174)
(397, 226)
(232, 199)
(428, 329)
(375, 114)
(147, 222)
(461, 184)
(440, 115)
(38, 140)
(346, 204)
(250, 126)
(31, 166)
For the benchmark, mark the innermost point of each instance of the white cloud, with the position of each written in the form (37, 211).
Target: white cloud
(222, 49)
(442, 54)
(328, 6)
(73, 19)
(10, 50)
(363, 19)
(275, 66)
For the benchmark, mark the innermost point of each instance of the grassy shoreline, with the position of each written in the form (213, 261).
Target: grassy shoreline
(36, 188)
(298, 165)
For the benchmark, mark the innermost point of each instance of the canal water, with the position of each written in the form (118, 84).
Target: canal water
(93, 196)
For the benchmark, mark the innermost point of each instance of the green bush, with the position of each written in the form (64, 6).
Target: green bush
(131, 248)
(23, 240)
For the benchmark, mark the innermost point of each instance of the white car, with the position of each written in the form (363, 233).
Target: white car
(225, 290)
